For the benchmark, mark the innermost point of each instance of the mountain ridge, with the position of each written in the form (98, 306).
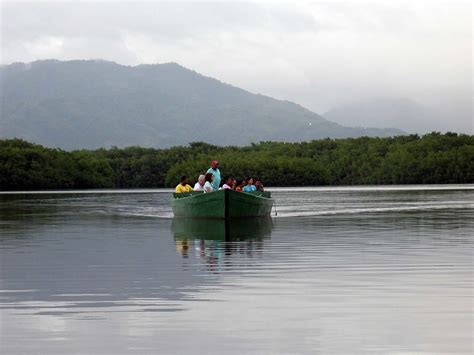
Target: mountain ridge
(96, 103)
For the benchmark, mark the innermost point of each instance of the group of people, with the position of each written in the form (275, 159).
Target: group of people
(211, 181)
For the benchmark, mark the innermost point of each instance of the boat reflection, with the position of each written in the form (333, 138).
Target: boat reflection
(216, 240)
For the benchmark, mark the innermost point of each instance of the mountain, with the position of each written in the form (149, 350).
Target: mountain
(91, 104)
(403, 113)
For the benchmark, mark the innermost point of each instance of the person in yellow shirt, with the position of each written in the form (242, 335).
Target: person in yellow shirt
(184, 185)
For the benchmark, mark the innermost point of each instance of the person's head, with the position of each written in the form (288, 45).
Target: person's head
(228, 180)
(184, 180)
(214, 164)
(209, 177)
(250, 181)
(202, 179)
(258, 183)
(240, 182)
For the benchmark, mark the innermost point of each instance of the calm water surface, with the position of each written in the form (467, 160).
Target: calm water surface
(338, 270)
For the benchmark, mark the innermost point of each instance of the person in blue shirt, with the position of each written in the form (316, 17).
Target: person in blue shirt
(214, 170)
(250, 186)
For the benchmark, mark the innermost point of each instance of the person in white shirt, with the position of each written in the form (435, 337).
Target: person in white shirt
(208, 184)
(199, 186)
(227, 183)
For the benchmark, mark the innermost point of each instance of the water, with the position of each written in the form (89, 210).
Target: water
(339, 270)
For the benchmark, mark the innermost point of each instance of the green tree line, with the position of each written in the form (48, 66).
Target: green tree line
(430, 159)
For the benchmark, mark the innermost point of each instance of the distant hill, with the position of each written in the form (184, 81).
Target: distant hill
(402, 113)
(90, 104)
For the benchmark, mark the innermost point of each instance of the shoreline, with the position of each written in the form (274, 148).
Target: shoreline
(408, 187)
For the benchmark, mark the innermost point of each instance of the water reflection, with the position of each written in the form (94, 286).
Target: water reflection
(215, 241)
(391, 271)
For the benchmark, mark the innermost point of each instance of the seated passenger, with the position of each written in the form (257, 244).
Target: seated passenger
(239, 184)
(259, 185)
(227, 183)
(199, 186)
(208, 184)
(250, 187)
(183, 185)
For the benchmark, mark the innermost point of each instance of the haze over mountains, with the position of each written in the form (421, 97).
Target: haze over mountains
(403, 113)
(91, 104)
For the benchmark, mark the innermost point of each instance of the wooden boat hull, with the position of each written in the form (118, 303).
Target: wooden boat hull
(222, 204)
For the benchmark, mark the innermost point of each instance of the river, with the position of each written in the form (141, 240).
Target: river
(386, 269)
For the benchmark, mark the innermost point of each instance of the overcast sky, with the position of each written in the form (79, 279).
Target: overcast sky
(317, 54)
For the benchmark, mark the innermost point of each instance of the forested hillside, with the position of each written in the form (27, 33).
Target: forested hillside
(94, 104)
(433, 158)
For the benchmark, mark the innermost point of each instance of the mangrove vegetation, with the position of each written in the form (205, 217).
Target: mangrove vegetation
(434, 158)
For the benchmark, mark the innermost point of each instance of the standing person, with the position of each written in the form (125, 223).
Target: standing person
(183, 186)
(214, 170)
(208, 187)
(199, 186)
(250, 187)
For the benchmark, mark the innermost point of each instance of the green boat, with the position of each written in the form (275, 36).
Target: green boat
(222, 230)
(222, 204)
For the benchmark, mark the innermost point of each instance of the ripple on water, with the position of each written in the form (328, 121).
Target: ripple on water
(340, 270)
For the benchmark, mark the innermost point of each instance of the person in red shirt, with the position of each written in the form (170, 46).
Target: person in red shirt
(239, 185)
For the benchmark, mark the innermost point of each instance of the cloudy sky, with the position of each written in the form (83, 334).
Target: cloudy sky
(319, 54)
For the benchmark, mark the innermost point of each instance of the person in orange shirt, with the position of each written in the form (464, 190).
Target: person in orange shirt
(183, 186)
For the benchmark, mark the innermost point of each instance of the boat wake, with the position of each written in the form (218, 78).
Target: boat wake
(285, 212)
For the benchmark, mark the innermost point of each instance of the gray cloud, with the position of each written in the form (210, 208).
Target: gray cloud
(320, 54)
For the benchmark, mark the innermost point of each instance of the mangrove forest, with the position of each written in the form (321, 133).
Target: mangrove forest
(434, 158)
